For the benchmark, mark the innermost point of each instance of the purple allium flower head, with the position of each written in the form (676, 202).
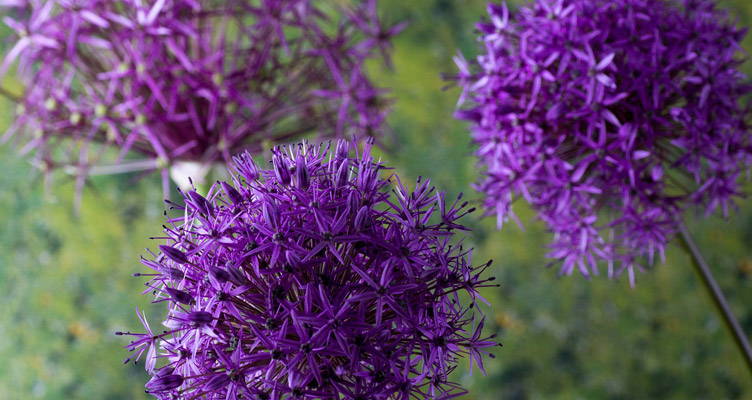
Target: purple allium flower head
(191, 80)
(316, 278)
(610, 118)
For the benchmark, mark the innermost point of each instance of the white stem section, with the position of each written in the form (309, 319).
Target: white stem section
(183, 172)
(202, 175)
(133, 166)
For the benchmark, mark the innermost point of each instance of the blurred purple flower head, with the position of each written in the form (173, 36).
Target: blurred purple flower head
(191, 80)
(310, 280)
(12, 5)
(610, 118)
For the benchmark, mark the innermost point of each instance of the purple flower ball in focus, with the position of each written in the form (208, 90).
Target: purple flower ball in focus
(611, 119)
(317, 278)
(193, 81)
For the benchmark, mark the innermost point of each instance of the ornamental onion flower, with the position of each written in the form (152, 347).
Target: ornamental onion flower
(611, 119)
(311, 280)
(190, 81)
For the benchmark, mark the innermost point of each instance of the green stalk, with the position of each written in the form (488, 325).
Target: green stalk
(711, 286)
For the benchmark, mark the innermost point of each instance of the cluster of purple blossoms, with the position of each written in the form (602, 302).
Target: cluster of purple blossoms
(308, 281)
(190, 80)
(610, 118)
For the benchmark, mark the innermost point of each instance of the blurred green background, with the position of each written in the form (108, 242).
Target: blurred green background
(65, 282)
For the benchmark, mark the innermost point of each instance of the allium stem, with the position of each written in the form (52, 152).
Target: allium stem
(124, 167)
(10, 96)
(717, 295)
(190, 174)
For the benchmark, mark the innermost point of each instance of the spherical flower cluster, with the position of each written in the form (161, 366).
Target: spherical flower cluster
(308, 281)
(191, 80)
(610, 118)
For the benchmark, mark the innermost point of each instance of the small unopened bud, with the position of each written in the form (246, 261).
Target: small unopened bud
(174, 254)
(216, 382)
(199, 203)
(180, 296)
(233, 195)
(173, 274)
(163, 383)
(220, 275)
(281, 169)
(301, 173)
(342, 173)
(361, 219)
(200, 317)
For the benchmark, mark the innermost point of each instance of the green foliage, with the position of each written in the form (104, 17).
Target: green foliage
(66, 287)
